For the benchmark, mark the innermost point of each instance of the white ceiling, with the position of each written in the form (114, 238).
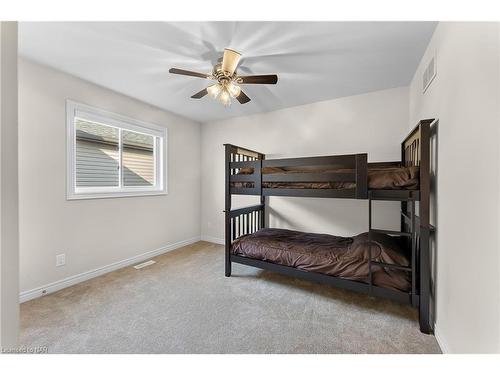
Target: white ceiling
(314, 60)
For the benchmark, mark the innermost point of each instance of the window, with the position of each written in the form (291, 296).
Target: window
(113, 156)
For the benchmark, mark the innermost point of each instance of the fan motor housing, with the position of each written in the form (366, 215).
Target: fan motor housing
(222, 76)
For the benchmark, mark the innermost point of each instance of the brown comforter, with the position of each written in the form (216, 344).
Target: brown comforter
(345, 257)
(378, 178)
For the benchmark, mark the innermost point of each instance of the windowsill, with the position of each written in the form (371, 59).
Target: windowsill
(120, 194)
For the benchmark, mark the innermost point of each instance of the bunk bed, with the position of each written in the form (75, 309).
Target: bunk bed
(382, 263)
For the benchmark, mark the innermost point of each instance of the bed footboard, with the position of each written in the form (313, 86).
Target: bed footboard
(240, 222)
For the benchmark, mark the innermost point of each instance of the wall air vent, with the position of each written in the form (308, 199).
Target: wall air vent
(429, 74)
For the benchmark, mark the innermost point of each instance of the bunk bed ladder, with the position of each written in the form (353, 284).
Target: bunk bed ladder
(410, 240)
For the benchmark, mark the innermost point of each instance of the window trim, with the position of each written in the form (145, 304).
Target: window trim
(74, 109)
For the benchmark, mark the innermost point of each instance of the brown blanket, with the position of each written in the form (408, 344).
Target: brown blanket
(378, 178)
(345, 257)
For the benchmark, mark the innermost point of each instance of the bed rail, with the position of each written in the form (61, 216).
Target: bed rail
(357, 163)
(244, 169)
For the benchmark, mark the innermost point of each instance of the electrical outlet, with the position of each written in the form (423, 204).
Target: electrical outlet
(60, 260)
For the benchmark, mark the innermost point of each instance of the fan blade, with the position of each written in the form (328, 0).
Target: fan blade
(269, 79)
(230, 60)
(187, 73)
(200, 94)
(242, 98)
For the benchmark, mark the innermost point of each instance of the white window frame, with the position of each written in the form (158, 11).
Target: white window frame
(75, 109)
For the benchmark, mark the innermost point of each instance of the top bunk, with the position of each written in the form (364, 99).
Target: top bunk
(335, 176)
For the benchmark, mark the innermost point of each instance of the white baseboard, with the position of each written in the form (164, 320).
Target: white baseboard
(216, 240)
(72, 280)
(441, 341)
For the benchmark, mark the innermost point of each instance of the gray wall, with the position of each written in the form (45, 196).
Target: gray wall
(9, 235)
(465, 97)
(98, 232)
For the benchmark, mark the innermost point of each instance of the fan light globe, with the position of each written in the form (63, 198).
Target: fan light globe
(233, 89)
(225, 97)
(214, 90)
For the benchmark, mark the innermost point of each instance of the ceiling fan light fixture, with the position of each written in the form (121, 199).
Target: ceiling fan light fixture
(225, 97)
(233, 89)
(214, 90)
(228, 81)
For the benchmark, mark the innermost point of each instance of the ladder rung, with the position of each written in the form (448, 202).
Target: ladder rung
(391, 232)
(388, 265)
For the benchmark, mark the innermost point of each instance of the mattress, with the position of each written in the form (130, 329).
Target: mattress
(345, 257)
(383, 178)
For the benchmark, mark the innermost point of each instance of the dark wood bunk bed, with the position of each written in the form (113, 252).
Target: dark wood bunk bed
(342, 176)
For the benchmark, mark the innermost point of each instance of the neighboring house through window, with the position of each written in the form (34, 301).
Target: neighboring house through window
(110, 155)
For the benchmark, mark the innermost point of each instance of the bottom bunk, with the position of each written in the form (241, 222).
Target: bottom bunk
(334, 260)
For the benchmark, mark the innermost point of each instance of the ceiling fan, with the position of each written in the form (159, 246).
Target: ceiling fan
(228, 81)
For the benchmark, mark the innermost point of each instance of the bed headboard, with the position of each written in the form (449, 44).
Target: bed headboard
(411, 149)
(415, 151)
(243, 154)
(416, 144)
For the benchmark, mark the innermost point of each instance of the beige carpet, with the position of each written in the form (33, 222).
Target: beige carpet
(184, 304)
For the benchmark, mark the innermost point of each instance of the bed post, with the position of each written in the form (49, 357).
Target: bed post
(262, 196)
(424, 213)
(415, 151)
(227, 211)
(361, 176)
